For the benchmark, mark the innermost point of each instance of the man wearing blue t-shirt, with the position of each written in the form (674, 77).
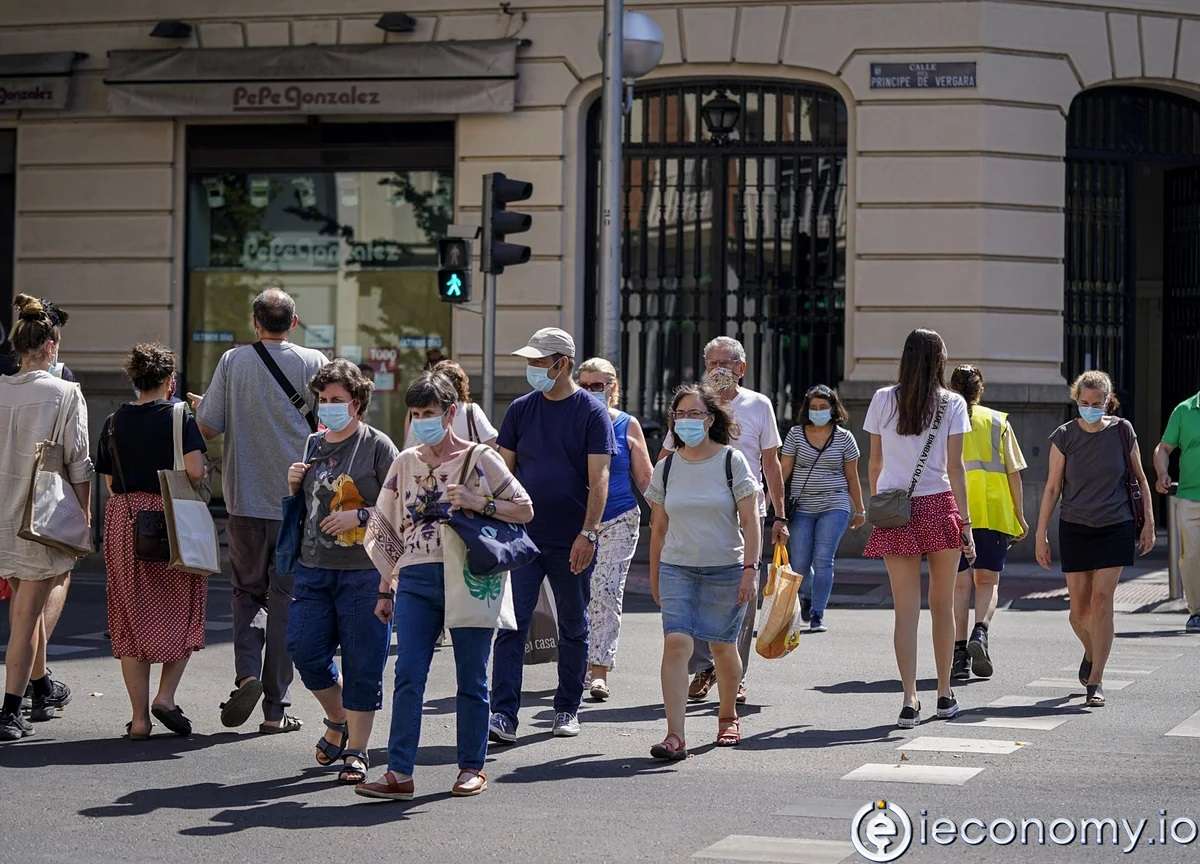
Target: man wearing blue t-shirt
(558, 441)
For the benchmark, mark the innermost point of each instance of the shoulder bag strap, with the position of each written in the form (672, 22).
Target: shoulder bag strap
(472, 432)
(285, 385)
(667, 472)
(178, 413)
(816, 459)
(729, 474)
(116, 457)
(937, 422)
(468, 464)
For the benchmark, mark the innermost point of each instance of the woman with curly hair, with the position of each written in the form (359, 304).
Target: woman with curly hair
(34, 403)
(155, 613)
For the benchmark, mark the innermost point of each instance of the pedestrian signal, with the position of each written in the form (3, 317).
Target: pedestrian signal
(454, 273)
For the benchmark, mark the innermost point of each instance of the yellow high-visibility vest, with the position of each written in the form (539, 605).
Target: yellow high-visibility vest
(988, 494)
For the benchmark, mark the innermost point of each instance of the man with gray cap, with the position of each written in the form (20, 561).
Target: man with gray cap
(558, 441)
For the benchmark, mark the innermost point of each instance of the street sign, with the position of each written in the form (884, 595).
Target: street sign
(922, 76)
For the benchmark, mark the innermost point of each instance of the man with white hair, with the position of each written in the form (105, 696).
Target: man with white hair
(758, 440)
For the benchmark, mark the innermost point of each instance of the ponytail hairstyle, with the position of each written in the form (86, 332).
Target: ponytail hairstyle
(922, 370)
(967, 381)
(37, 324)
(1094, 379)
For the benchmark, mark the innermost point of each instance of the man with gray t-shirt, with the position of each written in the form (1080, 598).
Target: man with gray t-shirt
(265, 431)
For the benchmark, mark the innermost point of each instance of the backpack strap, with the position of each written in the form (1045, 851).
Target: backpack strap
(729, 474)
(286, 386)
(667, 472)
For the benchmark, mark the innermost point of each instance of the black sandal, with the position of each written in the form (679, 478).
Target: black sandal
(175, 720)
(140, 736)
(287, 723)
(354, 771)
(332, 752)
(1095, 696)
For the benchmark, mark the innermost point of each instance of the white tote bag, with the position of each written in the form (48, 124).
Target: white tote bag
(191, 532)
(52, 514)
(473, 601)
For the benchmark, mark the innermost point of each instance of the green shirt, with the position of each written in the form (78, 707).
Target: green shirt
(1183, 431)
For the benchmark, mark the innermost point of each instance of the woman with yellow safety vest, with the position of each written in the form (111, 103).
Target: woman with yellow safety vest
(994, 464)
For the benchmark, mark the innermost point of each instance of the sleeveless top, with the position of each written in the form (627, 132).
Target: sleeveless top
(620, 484)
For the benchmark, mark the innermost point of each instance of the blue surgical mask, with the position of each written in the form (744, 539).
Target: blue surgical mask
(539, 379)
(335, 415)
(429, 430)
(600, 397)
(1090, 414)
(690, 432)
(821, 418)
(56, 369)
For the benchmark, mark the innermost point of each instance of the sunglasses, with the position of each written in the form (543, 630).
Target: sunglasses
(594, 388)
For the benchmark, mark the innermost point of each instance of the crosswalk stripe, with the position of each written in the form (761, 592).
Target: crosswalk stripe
(787, 850)
(1033, 724)
(962, 745)
(821, 808)
(1074, 684)
(1117, 671)
(904, 772)
(1189, 728)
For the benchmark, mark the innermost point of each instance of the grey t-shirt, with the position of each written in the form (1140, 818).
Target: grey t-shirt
(264, 433)
(345, 476)
(704, 530)
(1094, 492)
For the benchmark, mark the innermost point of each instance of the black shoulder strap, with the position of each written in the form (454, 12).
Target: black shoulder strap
(472, 432)
(729, 473)
(285, 385)
(667, 472)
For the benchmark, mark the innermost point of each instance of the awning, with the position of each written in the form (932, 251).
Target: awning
(471, 77)
(36, 80)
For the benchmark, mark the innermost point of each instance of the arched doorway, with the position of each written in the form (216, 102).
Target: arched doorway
(1132, 269)
(739, 233)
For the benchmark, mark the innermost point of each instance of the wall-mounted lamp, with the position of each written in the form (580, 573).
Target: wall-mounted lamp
(396, 22)
(172, 30)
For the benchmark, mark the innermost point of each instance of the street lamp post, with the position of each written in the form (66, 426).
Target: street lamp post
(631, 46)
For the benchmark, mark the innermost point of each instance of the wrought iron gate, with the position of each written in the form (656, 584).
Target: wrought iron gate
(1109, 133)
(1181, 288)
(737, 231)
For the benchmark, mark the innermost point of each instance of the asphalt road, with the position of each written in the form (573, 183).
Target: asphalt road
(78, 792)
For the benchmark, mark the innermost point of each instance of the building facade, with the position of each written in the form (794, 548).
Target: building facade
(815, 178)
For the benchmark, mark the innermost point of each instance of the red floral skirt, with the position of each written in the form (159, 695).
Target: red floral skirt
(935, 526)
(155, 613)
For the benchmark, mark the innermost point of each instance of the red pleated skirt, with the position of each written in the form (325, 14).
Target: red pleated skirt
(935, 525)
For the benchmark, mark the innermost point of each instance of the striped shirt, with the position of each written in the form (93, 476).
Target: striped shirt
(825, 488)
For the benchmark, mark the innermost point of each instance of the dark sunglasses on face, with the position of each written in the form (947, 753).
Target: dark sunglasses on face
(595, 388)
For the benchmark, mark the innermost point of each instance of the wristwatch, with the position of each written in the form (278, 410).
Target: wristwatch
(364, 515)
(591, 536)
(489, 509)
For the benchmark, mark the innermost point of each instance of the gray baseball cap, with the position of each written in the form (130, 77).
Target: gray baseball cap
(547, 341)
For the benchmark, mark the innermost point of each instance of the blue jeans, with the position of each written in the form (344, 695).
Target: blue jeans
(337, 607)
(420, 613)
(814, 543)
(572, 593)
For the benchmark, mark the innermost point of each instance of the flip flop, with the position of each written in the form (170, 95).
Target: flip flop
(240, 706)
(175, 720)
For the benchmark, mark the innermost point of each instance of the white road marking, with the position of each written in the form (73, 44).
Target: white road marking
(1073, 683)
(962, 745)
(822, 808)
(1036, 724)
(940, 775)
(1116, 671)
(1189, 728)
(788, 850)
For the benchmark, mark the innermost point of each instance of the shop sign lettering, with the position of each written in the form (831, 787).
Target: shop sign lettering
(290, 250)
(37, 93)
(293, 98)
(922, 76)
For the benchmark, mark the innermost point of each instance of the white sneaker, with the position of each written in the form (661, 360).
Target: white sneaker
(565, 725)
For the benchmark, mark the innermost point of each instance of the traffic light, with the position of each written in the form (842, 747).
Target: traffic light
(454, 273)
(498, 221)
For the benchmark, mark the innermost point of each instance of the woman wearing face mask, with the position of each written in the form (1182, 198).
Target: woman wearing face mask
(630, 469)
(1092, 461)
(34, 401)
(155, 613)
(405, 542)
(705, 545)
(820, 461)
(335, 582)
(470, 423)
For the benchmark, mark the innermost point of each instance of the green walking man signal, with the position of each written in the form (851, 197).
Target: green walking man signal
(454, 273)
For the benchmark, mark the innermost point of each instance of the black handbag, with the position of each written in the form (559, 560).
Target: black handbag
(150, 541)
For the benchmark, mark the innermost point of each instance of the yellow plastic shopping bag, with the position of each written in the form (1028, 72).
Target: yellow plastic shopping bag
(779, 630)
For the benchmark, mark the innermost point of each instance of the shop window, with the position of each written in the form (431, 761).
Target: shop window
(356, 247)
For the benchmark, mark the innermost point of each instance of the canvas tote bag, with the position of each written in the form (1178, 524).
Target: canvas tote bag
(53, 516)
(191, 532)
(779, 634)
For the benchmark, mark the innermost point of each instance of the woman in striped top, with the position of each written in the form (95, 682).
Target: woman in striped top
(820, 460)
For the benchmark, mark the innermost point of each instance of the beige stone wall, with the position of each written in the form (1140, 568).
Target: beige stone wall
(956, 196)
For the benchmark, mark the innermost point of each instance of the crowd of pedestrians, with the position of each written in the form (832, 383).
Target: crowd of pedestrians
(337, 538)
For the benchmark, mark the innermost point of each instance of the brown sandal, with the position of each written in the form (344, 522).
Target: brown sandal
(671, 749)
(729, 732)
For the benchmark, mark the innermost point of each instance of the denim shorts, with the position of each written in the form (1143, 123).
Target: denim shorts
(701, 601)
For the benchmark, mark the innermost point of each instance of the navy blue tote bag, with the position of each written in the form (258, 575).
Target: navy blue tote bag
(291, 529)
(493, 546)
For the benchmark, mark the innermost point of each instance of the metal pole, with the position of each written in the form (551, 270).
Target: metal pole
(608, 328)
(1174, 576)
(489, 345)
